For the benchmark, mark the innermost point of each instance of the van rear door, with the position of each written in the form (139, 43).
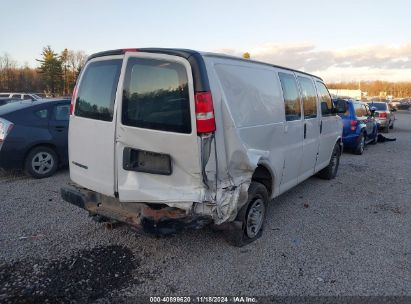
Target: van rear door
(157, 149)
(92, 127)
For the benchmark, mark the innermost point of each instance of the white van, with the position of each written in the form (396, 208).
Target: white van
(166, 139)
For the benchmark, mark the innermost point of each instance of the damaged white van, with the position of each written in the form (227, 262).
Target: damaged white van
(166, 139)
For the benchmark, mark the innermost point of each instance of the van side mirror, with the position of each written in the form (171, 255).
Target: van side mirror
(340, 106)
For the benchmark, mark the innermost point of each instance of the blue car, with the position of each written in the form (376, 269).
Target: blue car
(34, 136)
(359, 126)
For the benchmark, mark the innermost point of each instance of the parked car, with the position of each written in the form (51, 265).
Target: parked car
(404, 104)
(394, 104)
(4, 101)
(25, 96)
(43, 95)
(359, 126)
(183, 139)
(33, 136)
(383, 115)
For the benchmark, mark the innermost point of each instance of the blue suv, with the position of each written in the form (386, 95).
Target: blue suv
(359, 125)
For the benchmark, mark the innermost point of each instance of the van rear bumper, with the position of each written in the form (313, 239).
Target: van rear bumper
(157, 219)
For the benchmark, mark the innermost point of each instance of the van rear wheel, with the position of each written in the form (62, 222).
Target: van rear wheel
(331, 170)
(248, 225)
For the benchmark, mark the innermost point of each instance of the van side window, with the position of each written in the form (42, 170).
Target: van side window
(97, 92)
(156, 96)
(325, 99)
(342, 103)
(309, 97)
(291, 96)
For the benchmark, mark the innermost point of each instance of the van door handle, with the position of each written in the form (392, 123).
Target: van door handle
(321, 126)
(305, 130)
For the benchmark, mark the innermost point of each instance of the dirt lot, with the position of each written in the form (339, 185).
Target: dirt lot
(348, 236)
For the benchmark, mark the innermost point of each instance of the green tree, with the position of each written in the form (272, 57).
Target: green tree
(246, 55)
(51, 70)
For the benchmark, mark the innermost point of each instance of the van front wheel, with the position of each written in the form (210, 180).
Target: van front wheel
(331, 170)
(248, 225)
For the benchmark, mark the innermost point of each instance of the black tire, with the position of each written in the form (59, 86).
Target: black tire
(249, 223)
(41, 162)
(331, 170)
(386, 128)
(375, 140)
(392, 126)
(359, 150)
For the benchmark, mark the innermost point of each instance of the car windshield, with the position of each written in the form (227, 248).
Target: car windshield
(380, 106)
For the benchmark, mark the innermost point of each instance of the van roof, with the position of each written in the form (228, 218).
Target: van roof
(196, 55)
(219, 55)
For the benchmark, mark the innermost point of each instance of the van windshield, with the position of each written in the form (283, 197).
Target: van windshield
(156, 96)
(97, 92)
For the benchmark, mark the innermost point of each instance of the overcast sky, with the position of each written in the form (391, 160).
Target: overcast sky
(337, 40)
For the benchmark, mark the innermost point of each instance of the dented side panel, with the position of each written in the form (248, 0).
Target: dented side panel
(249, 126)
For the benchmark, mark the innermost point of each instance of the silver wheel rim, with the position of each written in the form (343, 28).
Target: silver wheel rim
(255, 218)
(42, 163)
(362, 144)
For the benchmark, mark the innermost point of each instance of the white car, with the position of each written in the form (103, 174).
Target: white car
(25, 96)
(166, 139)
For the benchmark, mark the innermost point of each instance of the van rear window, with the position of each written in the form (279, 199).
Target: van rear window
(156, 96)
(97, 92)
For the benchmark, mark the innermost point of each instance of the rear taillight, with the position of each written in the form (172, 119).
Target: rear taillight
(73, 100)
(382, 115)
(204, 112)
(5, 129)
(353, 125)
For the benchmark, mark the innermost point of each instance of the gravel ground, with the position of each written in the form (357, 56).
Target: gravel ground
(348, 236)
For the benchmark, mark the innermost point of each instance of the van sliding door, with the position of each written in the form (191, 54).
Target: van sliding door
(311, 126)
(293, 130)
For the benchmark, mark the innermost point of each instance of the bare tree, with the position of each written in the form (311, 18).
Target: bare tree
(76, 60)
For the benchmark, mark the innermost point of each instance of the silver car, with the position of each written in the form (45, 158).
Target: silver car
(383, 115)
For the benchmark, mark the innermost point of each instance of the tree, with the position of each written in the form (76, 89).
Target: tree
(246, 55)
(7, 75)
(65, 68)
(51, 70)
(76, 59)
